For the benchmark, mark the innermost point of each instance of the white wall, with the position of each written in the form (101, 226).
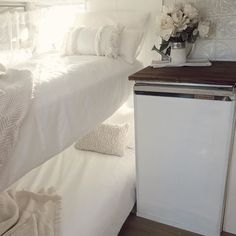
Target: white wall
(140, 5)
(222, 43)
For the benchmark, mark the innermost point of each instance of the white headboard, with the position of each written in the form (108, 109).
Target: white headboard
(152, 6)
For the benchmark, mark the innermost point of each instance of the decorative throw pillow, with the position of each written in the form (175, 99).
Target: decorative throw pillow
(86, 41)
(108, 40)
(108, 139)
(135, 22)
(103, 41)
(130, 42)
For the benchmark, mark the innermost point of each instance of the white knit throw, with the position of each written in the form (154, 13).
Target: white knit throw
(15, 96)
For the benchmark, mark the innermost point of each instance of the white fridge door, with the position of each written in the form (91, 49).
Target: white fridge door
(182, 150)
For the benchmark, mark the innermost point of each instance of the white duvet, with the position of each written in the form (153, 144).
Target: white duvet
(71, 96)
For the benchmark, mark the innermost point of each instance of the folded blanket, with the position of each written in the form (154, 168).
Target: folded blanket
(29, 214)
(15, 97)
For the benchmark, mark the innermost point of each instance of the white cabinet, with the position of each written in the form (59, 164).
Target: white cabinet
(182, 151)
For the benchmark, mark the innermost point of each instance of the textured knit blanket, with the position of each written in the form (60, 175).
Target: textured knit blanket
(25, 213)
(15, 98)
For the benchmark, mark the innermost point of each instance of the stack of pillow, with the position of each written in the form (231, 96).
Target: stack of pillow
(107, 34)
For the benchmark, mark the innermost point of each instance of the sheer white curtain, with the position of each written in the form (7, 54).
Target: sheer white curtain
(17, 36)
(54, 23)
(36, 31)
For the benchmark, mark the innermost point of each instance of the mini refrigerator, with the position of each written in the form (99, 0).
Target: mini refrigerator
(183, 149)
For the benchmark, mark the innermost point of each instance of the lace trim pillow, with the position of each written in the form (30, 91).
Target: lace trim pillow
(108, 41)
(107, 138)
(103, 41)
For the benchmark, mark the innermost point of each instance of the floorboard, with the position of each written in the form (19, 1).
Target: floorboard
(136, 226)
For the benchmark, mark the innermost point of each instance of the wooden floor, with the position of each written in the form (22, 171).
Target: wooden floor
(136, 226)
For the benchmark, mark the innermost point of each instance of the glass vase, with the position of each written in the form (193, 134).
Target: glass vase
(178, 53)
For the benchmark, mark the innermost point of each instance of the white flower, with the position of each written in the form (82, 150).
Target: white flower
(167, 27)
(204, 29)
(167, 22)
(167, 10)
(183, 24)
(180, 21)
(191, 12)
(177, 16)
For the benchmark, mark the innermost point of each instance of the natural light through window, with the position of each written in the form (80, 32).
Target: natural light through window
(55, 22)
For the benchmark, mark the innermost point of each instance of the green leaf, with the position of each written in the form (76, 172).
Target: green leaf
(164, 45)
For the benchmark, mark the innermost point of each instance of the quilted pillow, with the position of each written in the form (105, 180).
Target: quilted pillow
(107, 139)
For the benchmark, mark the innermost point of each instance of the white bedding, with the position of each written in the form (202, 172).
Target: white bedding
(72, 95)
(98, 191)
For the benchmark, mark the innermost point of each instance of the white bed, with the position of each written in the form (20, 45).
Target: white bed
(98, 191)
(72, 95)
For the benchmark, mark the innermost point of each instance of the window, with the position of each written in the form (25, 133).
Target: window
(42, 28)
(54, 22)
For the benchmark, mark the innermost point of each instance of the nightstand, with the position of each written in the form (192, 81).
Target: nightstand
(184, 125)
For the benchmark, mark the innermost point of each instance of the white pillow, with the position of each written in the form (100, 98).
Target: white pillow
(69, 43)
(108, 139)
(81, 40)
(132, 20)
(108, 39)
(103, 41)
(130, 42)
(86, 41)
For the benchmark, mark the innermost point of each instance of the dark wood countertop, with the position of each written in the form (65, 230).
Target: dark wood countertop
(220, 73)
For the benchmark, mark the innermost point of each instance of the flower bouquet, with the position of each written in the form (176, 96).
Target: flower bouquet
(181, 24)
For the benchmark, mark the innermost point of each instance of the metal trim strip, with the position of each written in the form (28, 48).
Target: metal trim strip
(183, 89)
